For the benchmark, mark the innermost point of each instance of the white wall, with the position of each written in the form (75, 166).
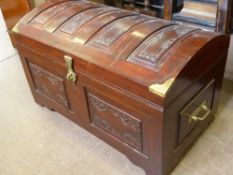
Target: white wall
(6, 48)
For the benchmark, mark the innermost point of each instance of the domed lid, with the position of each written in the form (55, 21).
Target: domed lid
(147, 50)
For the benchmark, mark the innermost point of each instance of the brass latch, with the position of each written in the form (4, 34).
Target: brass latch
(200, 113)
(71, 75)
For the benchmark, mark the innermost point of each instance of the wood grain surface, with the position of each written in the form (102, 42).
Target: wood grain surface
(117, 55)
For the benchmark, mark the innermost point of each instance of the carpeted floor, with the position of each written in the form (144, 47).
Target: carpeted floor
(36, 141)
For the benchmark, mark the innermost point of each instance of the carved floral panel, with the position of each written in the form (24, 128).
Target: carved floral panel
(152, 49)
(125, 127)
(80, 19)
(47, 14)
(110, 33)
(49, 84)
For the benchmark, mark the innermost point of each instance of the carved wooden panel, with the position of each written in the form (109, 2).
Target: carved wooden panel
(90, 28)
(58, 20)
(110, 33)
(151, 50)
(116, 122)
(48, 84)
(80, 19)
(47, 14)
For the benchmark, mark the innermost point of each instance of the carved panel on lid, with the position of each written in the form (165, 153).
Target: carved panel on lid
(116, 122)
(80, 19)
(110, 33)
(48, 84)
(47, 14)
(149, 53)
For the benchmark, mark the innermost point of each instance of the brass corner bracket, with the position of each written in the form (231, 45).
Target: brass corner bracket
(161, 89)
(15, 28)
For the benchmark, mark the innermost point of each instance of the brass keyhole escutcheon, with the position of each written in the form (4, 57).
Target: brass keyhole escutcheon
(71, 75)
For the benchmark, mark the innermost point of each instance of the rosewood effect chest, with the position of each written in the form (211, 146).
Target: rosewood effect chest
(146, 86)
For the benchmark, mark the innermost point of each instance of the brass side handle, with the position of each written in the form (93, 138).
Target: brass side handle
(200, 113)
(71, 75)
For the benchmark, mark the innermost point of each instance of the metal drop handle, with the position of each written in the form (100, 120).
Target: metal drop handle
(202, 108)
(71, 75)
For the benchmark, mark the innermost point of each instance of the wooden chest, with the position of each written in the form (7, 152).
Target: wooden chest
(146, 86)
